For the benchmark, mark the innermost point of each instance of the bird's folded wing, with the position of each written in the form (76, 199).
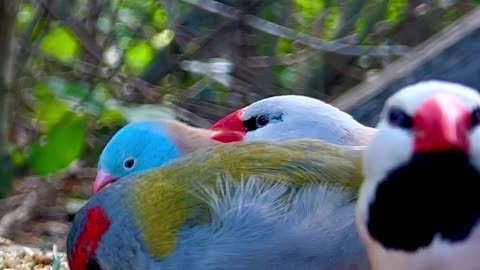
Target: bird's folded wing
(175, 191)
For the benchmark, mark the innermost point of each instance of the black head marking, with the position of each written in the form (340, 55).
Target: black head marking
(434, 194)
(261, 120)
(475, 118)
(399, 118)
(92, 264)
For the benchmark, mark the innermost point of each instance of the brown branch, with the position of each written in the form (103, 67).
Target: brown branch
(284, 60)
(20, 214)
(7, 57)
(188, 116)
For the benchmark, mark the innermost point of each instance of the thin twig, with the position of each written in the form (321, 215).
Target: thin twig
(189, 116)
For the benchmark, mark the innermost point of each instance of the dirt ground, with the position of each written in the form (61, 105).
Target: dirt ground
(40, 210)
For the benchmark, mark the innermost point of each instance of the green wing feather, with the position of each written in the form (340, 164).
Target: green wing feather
(169, 190)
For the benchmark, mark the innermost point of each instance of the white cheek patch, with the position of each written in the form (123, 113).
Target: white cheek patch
(272, 132)
(258, 135)
(389, 149)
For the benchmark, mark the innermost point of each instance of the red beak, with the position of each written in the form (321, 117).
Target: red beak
(231, 128)
(441, 124)
(102, 180)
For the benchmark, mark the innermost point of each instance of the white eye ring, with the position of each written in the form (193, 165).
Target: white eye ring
(129, 163)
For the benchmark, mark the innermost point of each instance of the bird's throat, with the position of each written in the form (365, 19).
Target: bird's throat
(434, 194)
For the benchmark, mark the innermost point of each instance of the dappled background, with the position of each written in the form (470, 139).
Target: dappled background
(75, 71)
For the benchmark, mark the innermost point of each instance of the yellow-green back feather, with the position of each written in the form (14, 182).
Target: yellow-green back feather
(164, 199)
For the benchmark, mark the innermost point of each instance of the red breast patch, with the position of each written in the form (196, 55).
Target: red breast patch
(96, 225)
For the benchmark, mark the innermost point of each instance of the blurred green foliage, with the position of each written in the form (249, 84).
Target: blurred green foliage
(82, 66)
(58, 147)
(61, 44)
(138, 57)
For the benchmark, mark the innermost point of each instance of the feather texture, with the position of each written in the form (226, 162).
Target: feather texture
(287, 205)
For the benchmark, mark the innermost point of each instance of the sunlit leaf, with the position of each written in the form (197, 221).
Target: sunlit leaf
(160, 18)
(139, 56)
(24, 16)
(284, 46)
(50, 112)
(396, 11)
(42, 92)
(163, 38)
(309, 8)
(332, 21)
(60, 43)
(62, 145)
(17, 156)
(112, 117)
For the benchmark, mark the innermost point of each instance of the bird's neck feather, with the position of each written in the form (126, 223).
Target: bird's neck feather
(188, 139)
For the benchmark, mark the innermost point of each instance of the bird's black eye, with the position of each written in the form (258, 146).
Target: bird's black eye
(259, 121)
(92, 264)
(262, 120)
(398, 118)
(475, 118)
(129, 163)
(255, 122)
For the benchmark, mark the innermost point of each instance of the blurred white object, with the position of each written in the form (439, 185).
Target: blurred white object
(111, 56)
(446, 3)
(217, 69)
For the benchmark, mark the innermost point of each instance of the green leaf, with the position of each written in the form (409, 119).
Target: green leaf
(61, 44)
(160, 18)
(396, 11)
(284, 46)
(24, 17)
(42, 92)
(310, 9)
(332, 22)
(17, 156)
(50, 112)
(62, 145)
(71, 94)
(163, 38)
(112, 117)
(139, 56)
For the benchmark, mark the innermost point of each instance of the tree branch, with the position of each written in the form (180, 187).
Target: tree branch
(7, 26)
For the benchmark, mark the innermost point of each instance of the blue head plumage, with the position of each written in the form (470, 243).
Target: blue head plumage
(136, 148)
